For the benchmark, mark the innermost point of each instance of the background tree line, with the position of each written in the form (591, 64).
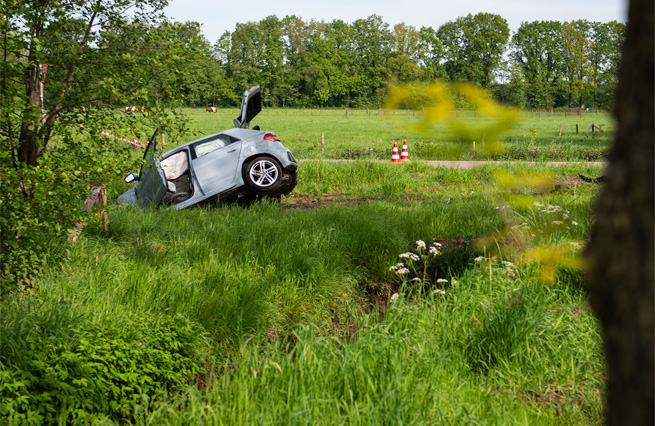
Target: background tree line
(544, 64)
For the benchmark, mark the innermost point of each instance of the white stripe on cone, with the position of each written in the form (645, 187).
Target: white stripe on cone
(404, 156)
(394, 156)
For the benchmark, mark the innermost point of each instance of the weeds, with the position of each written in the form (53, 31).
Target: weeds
(271, 300)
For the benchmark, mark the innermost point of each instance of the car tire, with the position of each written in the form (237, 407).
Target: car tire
(263, 175)
(293, 177)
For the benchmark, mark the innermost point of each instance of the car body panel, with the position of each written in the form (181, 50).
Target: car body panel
(216, 170)
(215, 165)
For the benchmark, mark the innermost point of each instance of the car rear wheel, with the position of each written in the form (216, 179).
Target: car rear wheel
(263, 175)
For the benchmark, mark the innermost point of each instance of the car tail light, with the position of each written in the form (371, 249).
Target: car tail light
(271, 137)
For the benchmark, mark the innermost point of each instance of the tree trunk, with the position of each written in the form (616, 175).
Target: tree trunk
(620, 254)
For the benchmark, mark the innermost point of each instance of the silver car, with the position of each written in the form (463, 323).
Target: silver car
(236, 165)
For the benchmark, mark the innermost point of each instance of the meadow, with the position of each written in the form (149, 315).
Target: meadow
(369, 134)
(298, 312)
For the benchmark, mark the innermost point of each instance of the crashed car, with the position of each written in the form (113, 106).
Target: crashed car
(236, 165)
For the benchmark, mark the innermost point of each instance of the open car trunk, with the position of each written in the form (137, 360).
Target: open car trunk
(251, 105)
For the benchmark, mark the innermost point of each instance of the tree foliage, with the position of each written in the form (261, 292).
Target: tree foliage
(100, 55)
(337, 64)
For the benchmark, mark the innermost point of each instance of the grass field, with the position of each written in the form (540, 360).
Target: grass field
(295, 313)
(536, 136)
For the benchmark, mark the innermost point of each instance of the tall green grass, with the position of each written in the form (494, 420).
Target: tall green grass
(284, 315)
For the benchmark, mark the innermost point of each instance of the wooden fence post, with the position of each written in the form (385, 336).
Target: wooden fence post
(576, 129)
(560, 130)
(98, 197)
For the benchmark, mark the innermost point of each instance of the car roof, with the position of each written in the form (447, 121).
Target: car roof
(240, 134)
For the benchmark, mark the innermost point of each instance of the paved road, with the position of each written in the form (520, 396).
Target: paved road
(471, 164)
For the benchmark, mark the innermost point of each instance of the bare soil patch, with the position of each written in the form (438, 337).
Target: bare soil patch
(305, 201)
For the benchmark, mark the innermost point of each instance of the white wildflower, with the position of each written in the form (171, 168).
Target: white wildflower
(558, 222)
(402, 271)
(420, 244)
(434, 250)
(576, 245)
(574, 223)
(479, 259)
(454, 281)
(396, 266)
(409, 255)
(537, 204)
(394, 298)
(417, 279)
(442, 281)
(438, 291)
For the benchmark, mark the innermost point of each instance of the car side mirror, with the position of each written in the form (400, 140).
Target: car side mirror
(131, 177)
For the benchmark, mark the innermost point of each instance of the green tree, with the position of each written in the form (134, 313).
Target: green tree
(371, 48)
(511, 89)
(606, 43)
(199, 72)
(407, 52)
(433, 55)
(575, 52)
(224, 87)
(537, 48)
(451, 38)
(243, 64)
(296, 36)
(474, 46)
(486, 37)
(97, 56)
(271, 59)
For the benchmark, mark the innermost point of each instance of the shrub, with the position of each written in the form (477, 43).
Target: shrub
(104, 373)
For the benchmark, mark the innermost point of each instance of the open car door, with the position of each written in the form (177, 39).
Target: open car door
(251, 105)
(151, 186)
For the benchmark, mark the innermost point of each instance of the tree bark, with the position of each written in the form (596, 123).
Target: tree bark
(620, 255)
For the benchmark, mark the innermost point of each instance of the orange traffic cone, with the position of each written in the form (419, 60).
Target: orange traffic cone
(404, 155)
(394, 156)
